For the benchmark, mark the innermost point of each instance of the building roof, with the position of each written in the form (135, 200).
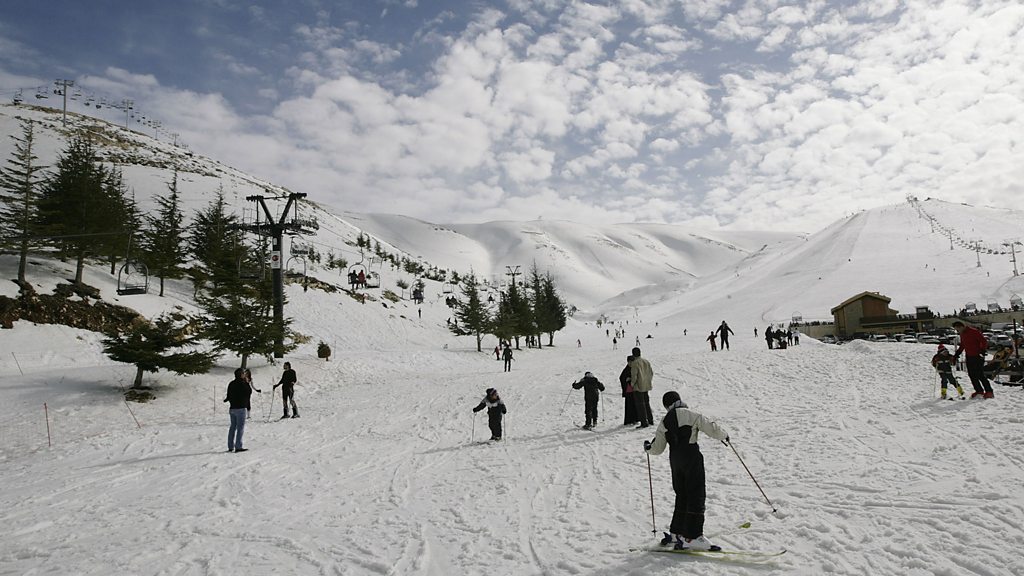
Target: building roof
(875, 295)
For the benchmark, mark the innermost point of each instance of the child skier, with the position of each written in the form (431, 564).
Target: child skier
(495, 408)
(592, 389)
(943, 363)
(714, 347)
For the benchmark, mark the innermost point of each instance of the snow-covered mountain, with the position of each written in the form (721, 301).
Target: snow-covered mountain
(384, 473)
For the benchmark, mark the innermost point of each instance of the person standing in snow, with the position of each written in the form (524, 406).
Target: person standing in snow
(248, 378)
(592, 388)
(238, 395)
(615, 343)
(507, 355)
(755, 331)
(973, 345)
(723, 335)
(641, 376)
(495, 408)
(679, 431)
(627, 394)
(943, 363)
(711, 339)
(497, 352)
(769, 337)
(287, 384)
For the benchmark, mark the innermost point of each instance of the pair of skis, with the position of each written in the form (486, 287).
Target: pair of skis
(727, 555)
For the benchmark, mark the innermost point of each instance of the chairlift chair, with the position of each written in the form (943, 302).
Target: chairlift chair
(373, 280)
(448, 288)
(246, 273)
(291, 272)
(132, 279)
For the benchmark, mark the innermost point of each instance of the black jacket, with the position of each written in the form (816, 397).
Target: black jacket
(238, 394)
(287, 378)
(624, 379)
(591, 386)
(494, 409)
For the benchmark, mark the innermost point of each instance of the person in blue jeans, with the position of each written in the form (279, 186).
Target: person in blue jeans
(238, 395)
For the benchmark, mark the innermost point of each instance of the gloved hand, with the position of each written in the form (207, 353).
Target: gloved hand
(647, 445)
(727, 440)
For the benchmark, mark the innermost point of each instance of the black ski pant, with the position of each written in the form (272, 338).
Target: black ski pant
(288, 394)
(688, 483)
(725, 342)
(590, 410)
(976, 372)
(494, 423)
(508, 365)
(643, 407)
(948, 378)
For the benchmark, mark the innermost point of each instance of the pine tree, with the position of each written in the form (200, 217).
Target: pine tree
(20, 182)
(164, 236)
(471, 313)
(536, 296)
(121, 214)
(241, 321)
(519, 315)
(147, 344)
(70, 207)
(215, 242)
(551, 311)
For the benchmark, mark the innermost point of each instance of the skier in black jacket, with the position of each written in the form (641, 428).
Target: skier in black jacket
(238, 395)
(627, 394)
(287, 384)
(723, 335)
(592, 388)
(495, 408)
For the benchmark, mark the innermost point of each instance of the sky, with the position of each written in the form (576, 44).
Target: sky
(757, 114)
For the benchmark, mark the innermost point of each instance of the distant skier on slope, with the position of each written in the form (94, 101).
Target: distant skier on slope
(769, 337)
(711, 339)
(495, 408)
(678, 430)
(641, 376)
(592, 388)
(723, 335)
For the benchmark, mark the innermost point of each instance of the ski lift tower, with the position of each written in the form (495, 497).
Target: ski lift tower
(275, 230)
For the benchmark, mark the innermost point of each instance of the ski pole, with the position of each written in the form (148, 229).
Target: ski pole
(650, 482)
(729, 444)
(472, 435)
(562, 411)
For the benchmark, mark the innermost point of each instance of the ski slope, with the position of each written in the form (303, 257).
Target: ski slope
(870, 473)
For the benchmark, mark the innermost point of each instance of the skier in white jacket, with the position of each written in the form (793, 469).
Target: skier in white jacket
(679, 430)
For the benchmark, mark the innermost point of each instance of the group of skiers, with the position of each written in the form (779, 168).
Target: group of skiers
(238, 394)
(780, 338)
(678, 431)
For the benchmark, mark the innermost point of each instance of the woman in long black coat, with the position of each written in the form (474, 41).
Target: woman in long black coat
(627, 395)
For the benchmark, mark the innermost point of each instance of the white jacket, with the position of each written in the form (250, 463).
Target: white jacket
(680, 416)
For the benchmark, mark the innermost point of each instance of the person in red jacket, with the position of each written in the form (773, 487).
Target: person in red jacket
(973, 345)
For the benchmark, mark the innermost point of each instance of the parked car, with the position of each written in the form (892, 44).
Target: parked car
(879, 338)
(927, 339)
(828, 339)
(910, 339)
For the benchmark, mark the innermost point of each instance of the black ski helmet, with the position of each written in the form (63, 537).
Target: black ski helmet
(670, 398)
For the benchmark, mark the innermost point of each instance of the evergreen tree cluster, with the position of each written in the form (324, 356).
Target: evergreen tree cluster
(81, 208)
(531, 309)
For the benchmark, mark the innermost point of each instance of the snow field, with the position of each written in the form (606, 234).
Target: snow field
(869, 473)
